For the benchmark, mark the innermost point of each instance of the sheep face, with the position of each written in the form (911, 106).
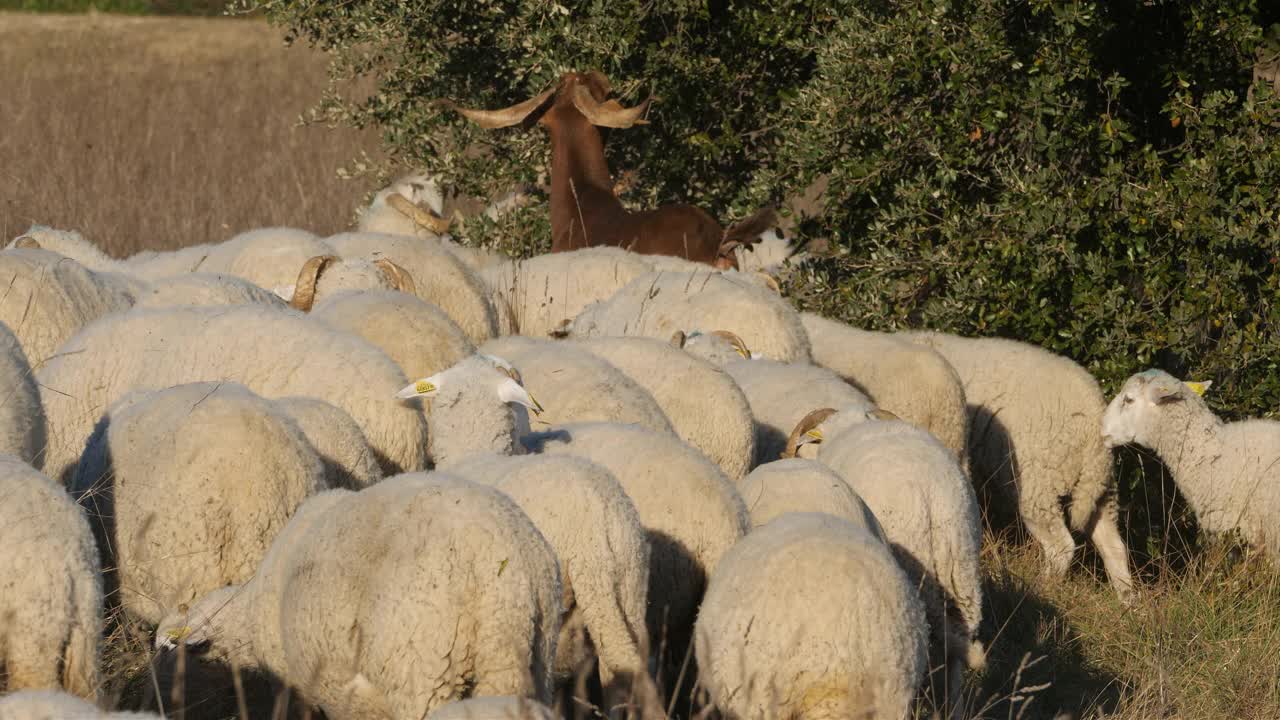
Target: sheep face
(205, 626)
(1136, 413)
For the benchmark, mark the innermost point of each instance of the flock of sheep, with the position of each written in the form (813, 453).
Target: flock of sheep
(411, 478)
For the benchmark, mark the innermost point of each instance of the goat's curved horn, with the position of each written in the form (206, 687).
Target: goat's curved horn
(609, 113)
(770, 281)
(807, 423)
(678, 339)
(506, 117)
(399, 277)
(304, 290)
(26, 241)
(424, 218)
(734, 340)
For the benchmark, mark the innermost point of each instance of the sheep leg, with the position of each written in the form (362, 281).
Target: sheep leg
(1115, 556)
(1048, 528)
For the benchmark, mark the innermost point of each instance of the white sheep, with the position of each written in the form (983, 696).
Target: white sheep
(927, 508)
(1034, 440)
(592, 525)
(51, 604)
(910, 380)
(348, 460)
(811, 617)
(417, 335)
(705, 406)
(274, 353)
(267, 257)
(799, 485)
(586, 388)
(781, 394)
(493, 708)
(658, 304)
(441, 278)
(689, 508)
(188, 486)
(327, 275)
(392, 601)
(54, 705)
(202, 289)
(68, 243)
(1224, 470)
(411, 205)
(23, 432)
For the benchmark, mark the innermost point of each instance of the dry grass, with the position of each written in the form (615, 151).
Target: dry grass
(151, 133)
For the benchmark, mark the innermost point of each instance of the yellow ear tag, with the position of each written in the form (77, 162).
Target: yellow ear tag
(1198, 387)
(176, 634)
(423, 387)
(815, 433)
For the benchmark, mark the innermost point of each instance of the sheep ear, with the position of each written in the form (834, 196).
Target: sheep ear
(426, 387)
(1199, 387)
(1163, 393)
(510, 391)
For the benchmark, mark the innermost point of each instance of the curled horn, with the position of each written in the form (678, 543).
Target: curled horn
(304, 290)
(807, 423)
(26, 241)
(420, 217)
(734, 340)
(678, 339)
(881, 414)
(608, 114)
(399, 277)
(506, 117)
(770, 281)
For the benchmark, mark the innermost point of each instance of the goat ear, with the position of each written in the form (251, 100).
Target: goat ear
(608, 114)
(506, 117)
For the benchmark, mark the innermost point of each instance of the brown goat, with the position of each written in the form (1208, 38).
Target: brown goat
(585, 211)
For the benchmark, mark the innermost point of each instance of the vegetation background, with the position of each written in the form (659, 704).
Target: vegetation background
(1099, 178)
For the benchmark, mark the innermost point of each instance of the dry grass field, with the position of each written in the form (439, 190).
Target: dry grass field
(151, 133)
(156, 133)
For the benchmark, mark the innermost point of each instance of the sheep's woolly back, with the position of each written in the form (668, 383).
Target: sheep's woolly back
(348, 460)
(205, 289)
(706, 407)
(48, 298)
(23, 432)
(493, 708)
(545, 290)
(398, 599)
(929, 513)
(274, 353)
(781, 394)
(71, 244)
(1034, 413)
(188, 486)
(660, 303)
(810, 617)
(54, 705)
(439, 276)
(267, 257)
(51, 607)
(417, 335)
(909, 380)
(798, 485)
(689, 508)
(596, 533)
(467, 417)
(576, 386)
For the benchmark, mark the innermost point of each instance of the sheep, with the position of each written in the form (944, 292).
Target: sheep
(592, 525)
(718, 347)
(274, 353)
(1033, 439)
(586, 388)
(690, 510)
(23, 431)
(53, 705)
(392, 601)
(585, 210)
(929, 513)
(811, 617)
(267, 257)
(48, 297)
(348, 460)
(912, 381)
(204, 289)
(412, 205)
(70, 244)
(781, 394)
(417, 335)
(659, 304)
(493, 708)
(1224, 470)
(51, 606)
(706, 407)
(441, 278)
(206, 468)
(327, 275)
(799, 485)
